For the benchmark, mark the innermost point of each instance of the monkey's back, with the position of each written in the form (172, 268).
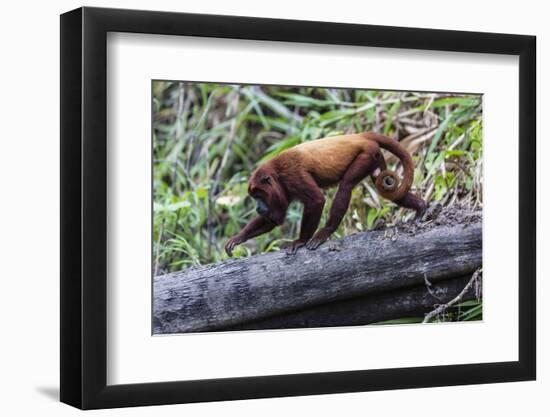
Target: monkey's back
(328, 159)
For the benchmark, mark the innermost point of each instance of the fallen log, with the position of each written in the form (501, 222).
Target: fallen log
(239, 291)
(374, 308)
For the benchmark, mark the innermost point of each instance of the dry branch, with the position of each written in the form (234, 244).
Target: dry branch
(235, 292)
(468, 289)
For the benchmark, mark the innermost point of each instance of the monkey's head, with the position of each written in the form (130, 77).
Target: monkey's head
(271, 200)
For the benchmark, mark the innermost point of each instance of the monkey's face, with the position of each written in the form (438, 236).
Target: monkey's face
(261, 207)
(259, 188)
(270, 202)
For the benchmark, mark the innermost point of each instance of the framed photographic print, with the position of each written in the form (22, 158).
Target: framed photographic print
(257, 208)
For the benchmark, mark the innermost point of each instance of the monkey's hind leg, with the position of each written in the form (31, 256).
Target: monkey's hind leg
(362, 166)
(411, 201)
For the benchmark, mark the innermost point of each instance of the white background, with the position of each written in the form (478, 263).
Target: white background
(133, 60)
(29, 172)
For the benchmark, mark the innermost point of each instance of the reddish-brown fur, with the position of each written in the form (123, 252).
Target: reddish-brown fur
(301, 172)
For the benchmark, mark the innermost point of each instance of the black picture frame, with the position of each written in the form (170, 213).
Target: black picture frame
(84, 207)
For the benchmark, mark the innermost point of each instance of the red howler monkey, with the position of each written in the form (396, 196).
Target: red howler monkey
(300, 173)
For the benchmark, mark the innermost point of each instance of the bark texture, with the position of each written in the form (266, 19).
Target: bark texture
(402, 303)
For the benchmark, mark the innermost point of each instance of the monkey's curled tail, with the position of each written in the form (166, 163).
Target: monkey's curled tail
(387, 183)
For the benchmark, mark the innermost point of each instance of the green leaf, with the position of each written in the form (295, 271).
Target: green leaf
(279, 147)
(442, 128)
(454, 152)
(371, 217)
(273, 245)
(202, 192)
(305, 101)
(391, 114)
(462, 101)
(474, 313)
(335, 114)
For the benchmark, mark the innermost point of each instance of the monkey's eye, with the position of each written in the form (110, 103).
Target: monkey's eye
(265, 179)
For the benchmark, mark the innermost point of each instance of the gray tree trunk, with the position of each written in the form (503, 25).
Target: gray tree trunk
(374, 308)
(267, 288)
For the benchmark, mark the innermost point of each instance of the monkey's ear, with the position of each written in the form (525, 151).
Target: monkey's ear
(265, 179)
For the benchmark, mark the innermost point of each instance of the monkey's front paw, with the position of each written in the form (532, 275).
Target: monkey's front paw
(294, 246)
(320, 237)
(231, 243)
